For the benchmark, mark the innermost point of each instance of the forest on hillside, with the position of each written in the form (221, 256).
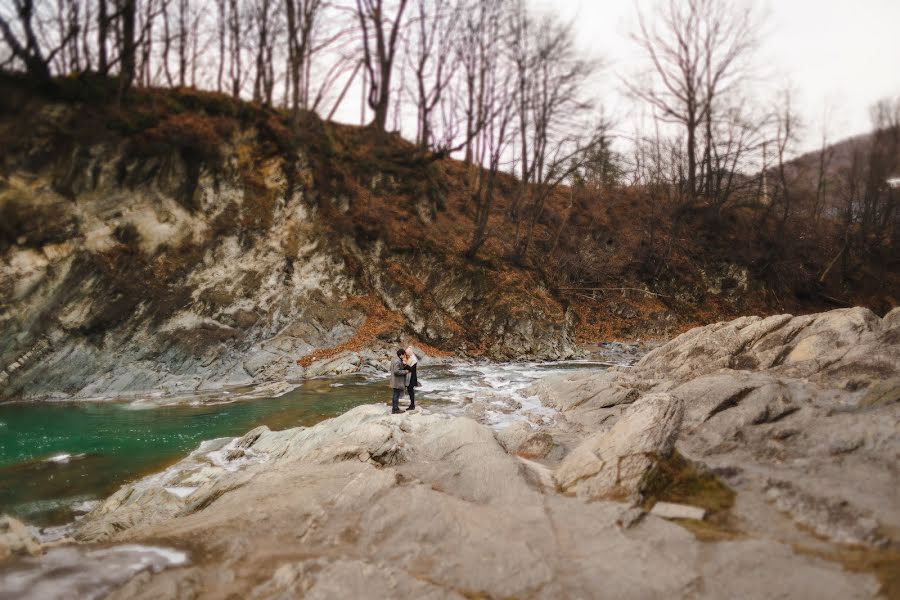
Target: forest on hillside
(712, 180)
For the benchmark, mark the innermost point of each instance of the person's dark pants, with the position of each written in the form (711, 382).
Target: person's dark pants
(411, 390)
(395, 401)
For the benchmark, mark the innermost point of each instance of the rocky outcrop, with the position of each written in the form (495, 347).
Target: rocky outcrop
(835, 348)
(799, 414)
(426, 505)
(127, 268)
(614, 463)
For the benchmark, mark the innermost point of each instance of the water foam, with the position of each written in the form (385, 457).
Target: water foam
(84, 572)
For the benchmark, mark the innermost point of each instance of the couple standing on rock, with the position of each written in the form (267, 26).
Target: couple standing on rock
(403, 377)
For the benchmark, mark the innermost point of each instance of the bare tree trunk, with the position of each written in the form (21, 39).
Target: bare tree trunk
(183, 8)
(223, 15)
(102, 33)
(380, 32)
(167, 44)
(29, 51)
(127, 10)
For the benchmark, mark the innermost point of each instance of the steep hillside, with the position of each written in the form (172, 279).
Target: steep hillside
(188, 242)
(184, 241)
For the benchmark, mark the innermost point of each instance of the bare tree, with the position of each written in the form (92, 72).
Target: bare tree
(433, 62)
(697, 51)
(826, 156)
(379, 36)
(557, 136)
(235, 29)
(731, 143)
(302, 16)
(786, 131)
(145, 40)
(264, 25)
(127, 18)
(68, 24)
(879, 201)
(103, 22)
(478, 48)
(221, 30)
(24, 43)
(183, 36)
(522, 57)
(496, 137)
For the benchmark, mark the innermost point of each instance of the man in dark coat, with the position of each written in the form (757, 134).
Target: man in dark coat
(399, 381)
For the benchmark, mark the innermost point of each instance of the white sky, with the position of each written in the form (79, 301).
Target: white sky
(839, 53)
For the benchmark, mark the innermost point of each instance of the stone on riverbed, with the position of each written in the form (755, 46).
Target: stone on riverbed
(671, 510)
(16, 540)
(522, 439)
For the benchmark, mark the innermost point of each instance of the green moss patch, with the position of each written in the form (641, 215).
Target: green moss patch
(676, 479)
(883, 563)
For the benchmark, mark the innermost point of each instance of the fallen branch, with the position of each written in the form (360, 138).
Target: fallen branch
(831, 264)
(608, 289)
(834, 300)
(586, 297)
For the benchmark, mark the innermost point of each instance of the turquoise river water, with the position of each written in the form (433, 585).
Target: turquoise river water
(55, 456)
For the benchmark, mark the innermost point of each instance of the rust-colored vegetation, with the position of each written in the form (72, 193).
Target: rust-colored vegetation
(622, 264)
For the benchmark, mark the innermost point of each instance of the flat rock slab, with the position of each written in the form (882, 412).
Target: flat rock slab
(670, 510)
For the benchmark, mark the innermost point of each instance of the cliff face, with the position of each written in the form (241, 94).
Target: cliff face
(198, 253)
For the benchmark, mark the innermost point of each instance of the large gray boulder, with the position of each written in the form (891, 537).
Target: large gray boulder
(829, 348)
(800, 413)
(614, 463)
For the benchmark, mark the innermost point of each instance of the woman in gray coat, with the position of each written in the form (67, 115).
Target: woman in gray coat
(400, 376)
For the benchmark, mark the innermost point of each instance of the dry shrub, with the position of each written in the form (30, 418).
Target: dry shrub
(194, 134)
(258, 211)
(380, 322)
(273, 129)
(33, 224)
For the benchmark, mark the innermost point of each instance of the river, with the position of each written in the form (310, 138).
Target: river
(57, 459)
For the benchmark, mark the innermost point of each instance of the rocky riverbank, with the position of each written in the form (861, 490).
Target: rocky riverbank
(750, 459)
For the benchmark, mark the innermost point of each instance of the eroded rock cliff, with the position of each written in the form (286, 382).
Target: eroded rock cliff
(211, 249)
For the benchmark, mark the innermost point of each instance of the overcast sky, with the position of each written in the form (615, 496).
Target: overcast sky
(844, 53)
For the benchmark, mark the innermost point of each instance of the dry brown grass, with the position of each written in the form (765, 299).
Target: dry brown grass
(379, 321)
